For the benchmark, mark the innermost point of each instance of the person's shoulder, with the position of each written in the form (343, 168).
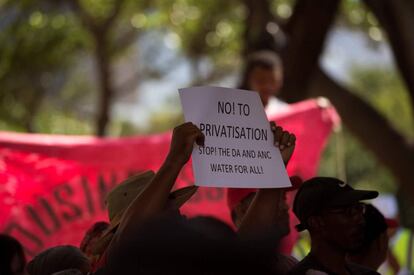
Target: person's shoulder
(276, 106)
(284, 263)
(306, 267)
(361, 270)
(290, 260)
(306, 270)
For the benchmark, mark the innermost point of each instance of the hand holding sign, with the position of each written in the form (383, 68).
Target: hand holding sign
(183, 139)
(284, 140)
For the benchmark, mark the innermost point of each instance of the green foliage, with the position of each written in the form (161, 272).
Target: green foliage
(354, 14)
(207, 30)
(382, 89)
(164, 121)
(99, 10)
(282, 8)
(62, 123)
(345, 158)
(45, 46)
(38, 46)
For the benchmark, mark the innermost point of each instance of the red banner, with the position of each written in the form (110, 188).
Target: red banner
(52, 188)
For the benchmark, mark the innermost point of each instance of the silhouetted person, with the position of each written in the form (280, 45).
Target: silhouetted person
(332, 213)
(59, 258)
(264, 212)
(174, 245)
(373, 250)
(263, 73)
(12, 259)
(147, 195)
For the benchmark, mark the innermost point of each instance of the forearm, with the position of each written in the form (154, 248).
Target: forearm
(260, 216)
(151, 201)
(154, 197)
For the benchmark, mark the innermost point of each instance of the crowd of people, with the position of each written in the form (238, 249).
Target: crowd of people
(147, 234)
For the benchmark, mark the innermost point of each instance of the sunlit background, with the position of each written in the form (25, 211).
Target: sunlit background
(112, 68)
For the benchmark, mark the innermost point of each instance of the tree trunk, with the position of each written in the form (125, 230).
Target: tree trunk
(306, 33)
(397, 19)
(306, 30)
(106, 91)
(99, 31)
(255, 35)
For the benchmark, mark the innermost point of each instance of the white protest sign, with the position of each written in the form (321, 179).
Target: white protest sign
(238, 149)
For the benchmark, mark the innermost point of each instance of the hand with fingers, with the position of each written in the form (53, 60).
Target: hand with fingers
(283, 140)
(183, 138)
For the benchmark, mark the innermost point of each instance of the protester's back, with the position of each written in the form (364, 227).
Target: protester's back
(174, 245)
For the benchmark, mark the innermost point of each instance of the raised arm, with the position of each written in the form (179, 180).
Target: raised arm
(153, 199)
(268, 210)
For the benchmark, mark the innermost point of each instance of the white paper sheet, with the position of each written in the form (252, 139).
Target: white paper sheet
(238, 149)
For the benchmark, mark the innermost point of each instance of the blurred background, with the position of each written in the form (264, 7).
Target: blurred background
(112, 68)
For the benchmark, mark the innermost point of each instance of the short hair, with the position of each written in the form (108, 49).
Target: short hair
(57, 259)
(10, 248)
(263, 59)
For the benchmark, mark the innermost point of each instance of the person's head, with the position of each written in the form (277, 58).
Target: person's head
(264, 74)
(374, 247)
(57, 259)
(240, 199)
(332, 212)
(210, 227)
(12, 260)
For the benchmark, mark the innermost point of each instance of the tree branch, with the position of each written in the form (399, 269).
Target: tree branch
(397, 19)
(109, 21)
(86, 19)
(125, 40)
(371, 128)
(307, 31)
(256, 36)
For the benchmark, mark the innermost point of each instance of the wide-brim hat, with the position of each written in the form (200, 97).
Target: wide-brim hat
(122, 195)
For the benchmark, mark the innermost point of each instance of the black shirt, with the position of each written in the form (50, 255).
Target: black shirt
(310, 266)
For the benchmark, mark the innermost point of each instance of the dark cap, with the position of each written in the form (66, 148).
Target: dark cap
(321, 193)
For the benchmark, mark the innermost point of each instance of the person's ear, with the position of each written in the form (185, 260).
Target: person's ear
(238, 214)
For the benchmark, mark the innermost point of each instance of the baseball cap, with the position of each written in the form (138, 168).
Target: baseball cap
(321, 193)
(236, 195)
